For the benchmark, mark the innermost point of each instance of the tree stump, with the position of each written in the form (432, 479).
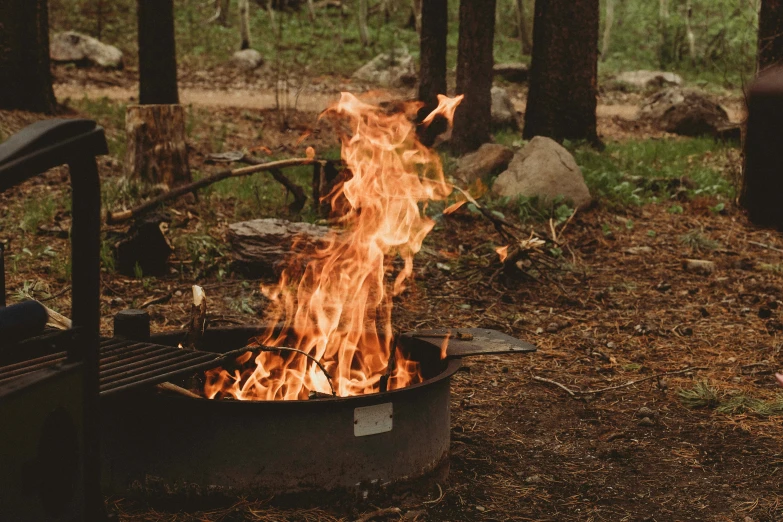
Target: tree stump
(156, 149)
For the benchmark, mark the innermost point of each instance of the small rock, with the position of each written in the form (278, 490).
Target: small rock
(699, 266)
(504, 114)
(646, 421)
(663, 286)
(644, 411)
(644, 79)
(544, 169)
(636, 251)
(511, 72)
(74, 47)
(539, 330)
(488, 160)
(553, 328)
(247, 59)
(534, 479)
(178, 293)
(388, 69)
(481, 508)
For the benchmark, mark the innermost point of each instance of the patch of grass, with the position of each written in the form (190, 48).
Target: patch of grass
(110, 114)
(644, 171)
(696, 240)
(701, 395)
(37, 211)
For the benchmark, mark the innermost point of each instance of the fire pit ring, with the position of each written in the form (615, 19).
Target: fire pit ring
(156, 443)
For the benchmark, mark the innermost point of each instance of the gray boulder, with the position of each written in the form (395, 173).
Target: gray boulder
(511, 72)
(644, 79)
(247, 59)
(543, 169)
(74, 47)
(684, 112)
(394, 69)
(488, 160)
(503, 112)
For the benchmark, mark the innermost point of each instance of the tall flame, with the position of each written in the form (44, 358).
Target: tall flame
(339, 312)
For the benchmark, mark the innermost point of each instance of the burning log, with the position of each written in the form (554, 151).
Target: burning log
(262, 247)
(198, 320)
(125, 215)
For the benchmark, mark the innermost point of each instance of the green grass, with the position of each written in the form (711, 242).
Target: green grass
(110, 114)
(648, 171)
(703, 395)
(36, 212)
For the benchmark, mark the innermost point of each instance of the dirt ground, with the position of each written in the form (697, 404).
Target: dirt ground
(524, 448)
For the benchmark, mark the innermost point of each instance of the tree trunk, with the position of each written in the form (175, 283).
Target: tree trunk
(244, 23)
(222, 7)
(473, 118)
(364, 33)
(524, 34)
(689, 34)
(762, 180)
(608, 23)
(432, 68)
(25, 78)
(157, 52)
(563, 91)
(770, 42)
(416, 6)
(156, 151)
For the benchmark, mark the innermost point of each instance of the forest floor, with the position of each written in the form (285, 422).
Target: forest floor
(703, 444)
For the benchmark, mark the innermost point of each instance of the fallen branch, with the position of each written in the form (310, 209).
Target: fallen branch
(125, 215)
(575, 393)
(299, 194)
(179, 390)
(768, 247)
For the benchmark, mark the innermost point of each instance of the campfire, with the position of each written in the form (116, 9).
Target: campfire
(337, 336)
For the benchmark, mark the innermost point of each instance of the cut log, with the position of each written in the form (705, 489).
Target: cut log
(264, 247)
(144, 249)
(156, 151)
(198, 320)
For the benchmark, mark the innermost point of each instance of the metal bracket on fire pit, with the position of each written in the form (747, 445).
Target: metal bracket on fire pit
(464, 342)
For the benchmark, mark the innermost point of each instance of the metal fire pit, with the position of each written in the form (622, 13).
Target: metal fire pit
(157, 443)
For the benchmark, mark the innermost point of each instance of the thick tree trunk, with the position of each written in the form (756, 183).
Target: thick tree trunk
(762, 180)
(25, 78)
(770, 43)
(156, 151)
(157, 52)
(473, 118)
(563, 91)
(432, 68)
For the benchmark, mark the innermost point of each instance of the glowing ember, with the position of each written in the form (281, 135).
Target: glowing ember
(339, 312)
(502, 252)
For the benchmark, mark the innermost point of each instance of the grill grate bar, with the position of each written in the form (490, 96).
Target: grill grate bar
(126, 364)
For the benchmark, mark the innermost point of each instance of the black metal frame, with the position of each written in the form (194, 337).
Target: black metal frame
(34, 150)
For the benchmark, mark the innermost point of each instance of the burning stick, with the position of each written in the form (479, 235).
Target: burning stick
(125, 215)
(198, 320)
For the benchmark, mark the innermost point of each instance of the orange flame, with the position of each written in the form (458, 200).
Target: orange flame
(502, 252)
(339, 313)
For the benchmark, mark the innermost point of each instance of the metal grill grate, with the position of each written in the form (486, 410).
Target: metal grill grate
(127, 364)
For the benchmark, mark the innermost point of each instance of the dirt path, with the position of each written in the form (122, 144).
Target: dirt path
(307, 101)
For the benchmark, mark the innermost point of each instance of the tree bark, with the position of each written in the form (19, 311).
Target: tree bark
(473, 118)
(364, 33)
(244, 23)
(432, 68)
(416, 6)
(762, 179)
(608, 24)
(25, 78)
(222, 7)
(770, 40)
(157, 52)
(156, 151)
(563, 91)
(524, 34)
